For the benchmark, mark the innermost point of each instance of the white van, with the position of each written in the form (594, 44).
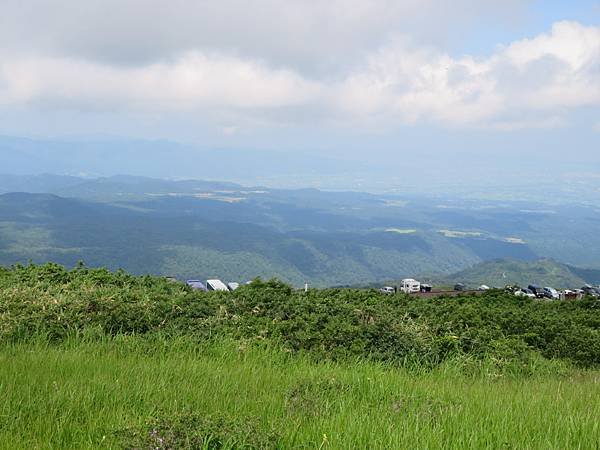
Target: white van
(216, 285)
(410, 286)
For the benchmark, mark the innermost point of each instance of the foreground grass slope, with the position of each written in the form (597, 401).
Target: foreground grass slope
(93, 359)
(135, 392)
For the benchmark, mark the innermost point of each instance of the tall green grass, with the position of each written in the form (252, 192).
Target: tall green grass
(113, 392)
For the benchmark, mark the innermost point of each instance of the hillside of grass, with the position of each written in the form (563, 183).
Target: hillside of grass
(172, 393)
(502, 272)
(97, 359)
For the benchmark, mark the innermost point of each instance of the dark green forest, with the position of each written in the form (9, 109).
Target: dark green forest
(199, 229)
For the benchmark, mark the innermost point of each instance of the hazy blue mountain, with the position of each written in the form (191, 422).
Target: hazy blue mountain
(423, 172)
(159, 158)
(43, 183)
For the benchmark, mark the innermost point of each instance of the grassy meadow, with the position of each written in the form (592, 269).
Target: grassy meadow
(93, 359)
(132, 392)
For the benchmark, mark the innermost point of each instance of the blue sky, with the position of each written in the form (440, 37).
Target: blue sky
(480, 82)
(535, 17)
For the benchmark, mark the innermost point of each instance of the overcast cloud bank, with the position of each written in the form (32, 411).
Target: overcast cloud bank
(279, 61)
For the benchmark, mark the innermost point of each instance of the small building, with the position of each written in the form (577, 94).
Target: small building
(216, 285)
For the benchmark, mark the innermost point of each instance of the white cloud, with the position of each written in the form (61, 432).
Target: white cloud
(412, 84)
(544, 75)
(310, 36)
(569, 42)
(192, 81)
(562, 67)
(530, 83)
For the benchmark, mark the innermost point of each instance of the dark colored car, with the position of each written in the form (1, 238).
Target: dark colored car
(425, 287)
(460, 287)
(591, 291)
(537, 290)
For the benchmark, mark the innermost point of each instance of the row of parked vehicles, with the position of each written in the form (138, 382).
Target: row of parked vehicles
(535, 291)
(213, 285)
(412, 286)
(408, 286)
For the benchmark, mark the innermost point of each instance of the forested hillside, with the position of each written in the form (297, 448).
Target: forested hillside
(197, 229)
(543, 272)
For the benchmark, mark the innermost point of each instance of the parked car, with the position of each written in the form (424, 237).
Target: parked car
(460, 287)
(550, 292)
(484, 287)
(591, 290)
(388, 290)
(233, 285)
(524, 292)
(537, 290)
(196, 284)
(425, 287)
(216, 285)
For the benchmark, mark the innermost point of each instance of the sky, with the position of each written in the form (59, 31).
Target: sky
(381, 81)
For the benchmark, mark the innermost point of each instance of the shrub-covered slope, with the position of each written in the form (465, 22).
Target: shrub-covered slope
(51, 301)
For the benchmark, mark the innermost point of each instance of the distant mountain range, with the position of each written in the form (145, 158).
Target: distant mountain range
(202, 229)
(166, 159)
(415, 172)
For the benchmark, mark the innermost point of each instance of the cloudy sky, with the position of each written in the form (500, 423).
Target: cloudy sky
(359, 77)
